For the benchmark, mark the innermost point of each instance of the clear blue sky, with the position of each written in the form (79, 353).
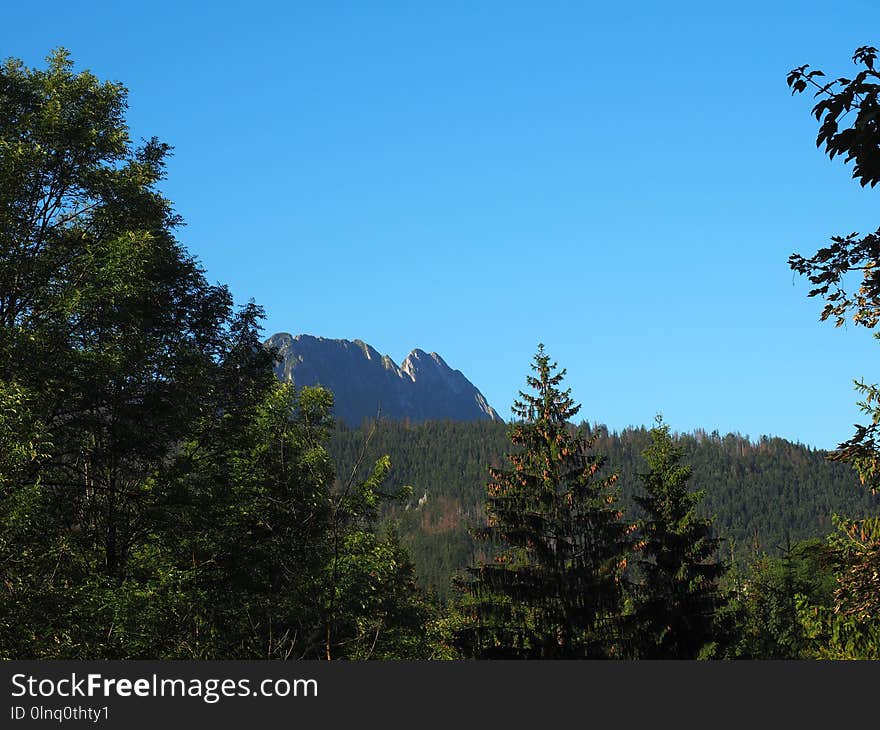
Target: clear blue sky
(624, 184)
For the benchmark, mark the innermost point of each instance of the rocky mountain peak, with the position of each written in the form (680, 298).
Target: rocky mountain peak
(366, 383)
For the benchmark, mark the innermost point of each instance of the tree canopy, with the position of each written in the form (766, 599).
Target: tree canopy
(161, 493)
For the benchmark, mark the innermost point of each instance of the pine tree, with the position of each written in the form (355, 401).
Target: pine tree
(678, 597)
(553, 587)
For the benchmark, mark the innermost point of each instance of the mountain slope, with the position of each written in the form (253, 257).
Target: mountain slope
(366, 383)
(765, 493)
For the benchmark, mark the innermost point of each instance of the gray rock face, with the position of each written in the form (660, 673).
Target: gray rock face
(366, 384)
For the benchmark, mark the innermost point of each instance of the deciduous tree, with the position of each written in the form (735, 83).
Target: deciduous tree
(161, 494)
(846, 273)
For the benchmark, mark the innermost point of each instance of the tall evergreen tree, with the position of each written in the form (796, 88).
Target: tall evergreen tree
(678, 597)
(553, 587)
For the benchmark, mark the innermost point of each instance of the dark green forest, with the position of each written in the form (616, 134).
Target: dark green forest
(163, 495)
(763, 494)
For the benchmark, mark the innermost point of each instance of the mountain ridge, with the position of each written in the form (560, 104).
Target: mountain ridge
(368, 384)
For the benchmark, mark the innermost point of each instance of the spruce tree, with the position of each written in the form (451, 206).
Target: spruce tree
(553, 586)
(678, 597)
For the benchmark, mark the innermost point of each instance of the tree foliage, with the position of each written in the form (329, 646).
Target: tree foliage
(832, 268)
(161, 494)
(678, 597)
(553, 588)
(848, 627)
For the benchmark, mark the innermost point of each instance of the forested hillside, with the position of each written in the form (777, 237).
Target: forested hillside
(763, 493)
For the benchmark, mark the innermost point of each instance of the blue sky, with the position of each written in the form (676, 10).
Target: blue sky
(624, 184)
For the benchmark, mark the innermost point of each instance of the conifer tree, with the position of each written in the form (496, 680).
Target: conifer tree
(553, 586)
(678, 598)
